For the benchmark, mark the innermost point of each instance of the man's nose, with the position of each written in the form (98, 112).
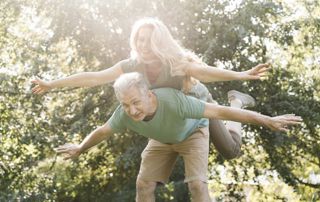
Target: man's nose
(132, 110)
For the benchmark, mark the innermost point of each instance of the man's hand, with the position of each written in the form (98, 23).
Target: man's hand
(71, 151)
(41, 86)
(257, 72)
(280, 123)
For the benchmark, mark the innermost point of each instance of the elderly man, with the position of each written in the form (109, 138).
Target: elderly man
(176, 125)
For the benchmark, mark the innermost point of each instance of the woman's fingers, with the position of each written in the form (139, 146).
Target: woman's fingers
(36, 90)
(36, 80)
(67, 157)
(262, 67)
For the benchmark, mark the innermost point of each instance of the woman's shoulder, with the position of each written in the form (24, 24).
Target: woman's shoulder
(130, 65)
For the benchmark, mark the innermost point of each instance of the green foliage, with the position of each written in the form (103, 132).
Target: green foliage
(52, 39)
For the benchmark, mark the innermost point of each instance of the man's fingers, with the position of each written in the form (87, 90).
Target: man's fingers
(292, 122)
(292, 117)
(283, 129)
(63, 147)
(61, 150)
(296, 119)
(288, 122)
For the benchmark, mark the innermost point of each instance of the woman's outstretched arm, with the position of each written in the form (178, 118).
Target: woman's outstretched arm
(211, 74)
(84, 79)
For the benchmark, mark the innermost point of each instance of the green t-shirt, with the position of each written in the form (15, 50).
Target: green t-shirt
(176, 118)
(165, 80)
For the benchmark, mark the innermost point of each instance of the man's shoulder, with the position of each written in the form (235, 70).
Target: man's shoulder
(119, 112)
(165, 91)
(170, 96)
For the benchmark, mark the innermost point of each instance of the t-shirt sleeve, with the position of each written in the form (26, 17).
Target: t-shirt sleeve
(190, 107)
(116, 121)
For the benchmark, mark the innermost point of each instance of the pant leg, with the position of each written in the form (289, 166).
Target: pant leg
(228, 143)
(157, 162)
(194, 151)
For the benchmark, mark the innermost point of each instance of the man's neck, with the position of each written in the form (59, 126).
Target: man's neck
(153, 107)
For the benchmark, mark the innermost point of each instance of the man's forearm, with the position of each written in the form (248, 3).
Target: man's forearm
(235, 114)
(94, 138)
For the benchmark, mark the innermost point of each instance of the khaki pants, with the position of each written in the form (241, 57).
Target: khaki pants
(158, 159)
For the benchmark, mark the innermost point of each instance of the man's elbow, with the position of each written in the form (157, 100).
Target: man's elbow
(104, 130)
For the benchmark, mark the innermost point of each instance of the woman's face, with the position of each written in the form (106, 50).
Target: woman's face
(143, 44)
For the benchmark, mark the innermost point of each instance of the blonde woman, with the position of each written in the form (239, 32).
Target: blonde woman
(156, 55)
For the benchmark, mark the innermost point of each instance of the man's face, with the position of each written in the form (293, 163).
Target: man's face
(136, 104)
(143, 44)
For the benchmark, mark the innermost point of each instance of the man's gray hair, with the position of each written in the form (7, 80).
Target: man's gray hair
(128, 80)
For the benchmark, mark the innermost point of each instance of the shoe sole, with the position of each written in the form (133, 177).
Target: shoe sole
(242, 96)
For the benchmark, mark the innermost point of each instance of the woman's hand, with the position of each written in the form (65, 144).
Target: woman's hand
(281, 123)
(71, 151)
(257, 72)
(41, 86)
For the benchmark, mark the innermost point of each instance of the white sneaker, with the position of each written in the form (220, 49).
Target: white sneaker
(247, 100)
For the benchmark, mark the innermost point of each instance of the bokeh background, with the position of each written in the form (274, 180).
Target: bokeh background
(56, 38)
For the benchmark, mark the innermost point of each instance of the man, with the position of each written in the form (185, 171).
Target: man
(176, 125)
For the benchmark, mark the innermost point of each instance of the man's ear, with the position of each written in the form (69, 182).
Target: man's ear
(149, 93)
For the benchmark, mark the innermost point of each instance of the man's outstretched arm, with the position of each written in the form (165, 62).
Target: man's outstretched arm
(277, 123)
(95, 137)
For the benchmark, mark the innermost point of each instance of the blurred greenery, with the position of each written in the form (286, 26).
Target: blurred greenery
(56, 38)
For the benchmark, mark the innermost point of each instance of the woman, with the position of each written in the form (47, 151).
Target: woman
(164, 63)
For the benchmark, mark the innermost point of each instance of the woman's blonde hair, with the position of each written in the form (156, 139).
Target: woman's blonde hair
(166, 48)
